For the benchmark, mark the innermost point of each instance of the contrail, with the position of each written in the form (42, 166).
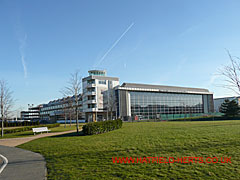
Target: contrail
(24, 66)
(22, 53)
(115, 43)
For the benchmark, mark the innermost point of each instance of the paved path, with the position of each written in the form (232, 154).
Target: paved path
(12, 142)
(22, 164)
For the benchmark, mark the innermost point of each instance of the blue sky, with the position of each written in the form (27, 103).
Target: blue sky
(171, 42)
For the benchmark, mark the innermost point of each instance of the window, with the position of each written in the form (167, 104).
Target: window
(92, 81)
(150, 104)
(91, 89)
(102, 82)
(91, 106)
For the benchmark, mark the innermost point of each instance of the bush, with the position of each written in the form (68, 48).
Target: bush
(28, 128)
(101, 127)
(24, 123)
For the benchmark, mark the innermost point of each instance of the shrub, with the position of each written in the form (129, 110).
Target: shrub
(24, 123)
(28, 128)
(101, 127)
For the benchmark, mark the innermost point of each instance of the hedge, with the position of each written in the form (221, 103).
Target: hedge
(15, 124)
(9, 131)
(101, 127)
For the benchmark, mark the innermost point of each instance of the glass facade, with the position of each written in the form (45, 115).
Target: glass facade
(97, 73)
(154, 105)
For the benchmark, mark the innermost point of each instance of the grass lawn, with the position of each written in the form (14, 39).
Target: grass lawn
(90, 157)
(30, 133)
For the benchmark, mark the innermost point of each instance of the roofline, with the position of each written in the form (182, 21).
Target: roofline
(95, 70)
(101, 77)
(156, 85)
(161, 88)
(163, 91)
(227, 97)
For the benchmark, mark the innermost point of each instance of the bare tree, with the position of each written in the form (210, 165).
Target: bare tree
(65, 110)
(231, 74)
(70, 109)
(18, 112)
(6, 102)
(111, 103)
(74, 89)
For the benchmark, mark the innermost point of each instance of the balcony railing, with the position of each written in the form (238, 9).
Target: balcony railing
(90, 110)
(90, 93)
(91, 85)
(93, 101)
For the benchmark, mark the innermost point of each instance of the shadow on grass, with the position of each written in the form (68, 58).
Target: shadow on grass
(69, 135)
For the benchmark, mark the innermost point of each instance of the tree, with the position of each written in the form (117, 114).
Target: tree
(6, 102)
(67, 107)
(70, 111)
(229, 108)
(111, 103)
(65, 110)
(231, 74)
(73, 88)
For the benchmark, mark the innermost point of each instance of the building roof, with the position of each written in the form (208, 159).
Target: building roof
(101, 78)
(227, 97)
(60, 101)
(134, 86)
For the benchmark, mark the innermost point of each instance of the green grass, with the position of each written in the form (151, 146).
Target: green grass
(30, 133)
(90, 157)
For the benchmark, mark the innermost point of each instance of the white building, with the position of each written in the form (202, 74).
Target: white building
(93, 88)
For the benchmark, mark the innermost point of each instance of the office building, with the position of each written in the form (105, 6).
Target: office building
(103, 98)
(61, 109)
(32, 114)
(142, 101)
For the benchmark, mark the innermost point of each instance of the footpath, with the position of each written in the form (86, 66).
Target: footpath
(20, 164)
(12, 142)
